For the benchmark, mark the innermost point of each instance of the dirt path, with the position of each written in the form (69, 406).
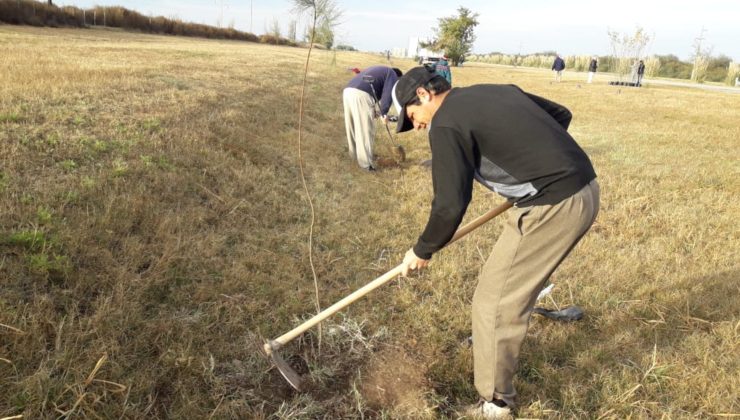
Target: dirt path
(726, 89)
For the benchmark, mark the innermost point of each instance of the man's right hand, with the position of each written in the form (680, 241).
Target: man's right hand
(412, 262)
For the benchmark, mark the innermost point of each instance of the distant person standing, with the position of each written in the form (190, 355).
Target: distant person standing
(442, 68)
(558, 66)
(592, 66)
(640, 72)
(359, 97)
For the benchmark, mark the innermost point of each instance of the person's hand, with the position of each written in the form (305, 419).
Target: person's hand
(384, 118)
(412, 262)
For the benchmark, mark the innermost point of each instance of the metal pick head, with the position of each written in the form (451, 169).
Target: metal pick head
(571, 313)
(290, 375)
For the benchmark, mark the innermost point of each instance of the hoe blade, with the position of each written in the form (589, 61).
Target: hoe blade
(290, 375)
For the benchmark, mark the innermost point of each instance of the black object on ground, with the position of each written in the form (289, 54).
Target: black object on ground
(633, 84)
(571, 313)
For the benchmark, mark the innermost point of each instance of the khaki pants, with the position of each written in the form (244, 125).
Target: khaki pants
(359, 122)
(534, 242)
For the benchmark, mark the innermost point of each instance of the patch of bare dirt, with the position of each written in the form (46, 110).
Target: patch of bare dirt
(395, 382)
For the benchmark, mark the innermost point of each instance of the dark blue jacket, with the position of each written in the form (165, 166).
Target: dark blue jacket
(381, 89)
(558, 64)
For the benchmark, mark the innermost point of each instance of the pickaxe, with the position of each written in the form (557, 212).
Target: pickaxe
(273, 346)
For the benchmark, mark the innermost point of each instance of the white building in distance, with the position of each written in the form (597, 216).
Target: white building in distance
(415, 50)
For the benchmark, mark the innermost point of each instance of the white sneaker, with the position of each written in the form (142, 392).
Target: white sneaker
(489, 411)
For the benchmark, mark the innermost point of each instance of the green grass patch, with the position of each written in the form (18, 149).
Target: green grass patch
(68, 165)
(120, 168)
(98, 146)
(57, 267)
(4, 181)
(88, 182)
(32, 240)
(78, 120)
(43, 215)
(10, 117)
(152, 125)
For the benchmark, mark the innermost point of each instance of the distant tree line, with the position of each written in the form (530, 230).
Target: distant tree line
(717, 70)
(34, 13)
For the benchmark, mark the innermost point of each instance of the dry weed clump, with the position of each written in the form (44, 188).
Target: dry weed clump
(154, 230)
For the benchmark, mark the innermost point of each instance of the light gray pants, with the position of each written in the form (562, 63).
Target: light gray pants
(359, 122)
(535, 240)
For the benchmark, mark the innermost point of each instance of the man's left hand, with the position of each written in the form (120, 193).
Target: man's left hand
(412, 262)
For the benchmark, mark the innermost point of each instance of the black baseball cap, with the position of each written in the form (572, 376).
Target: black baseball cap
(405, 91)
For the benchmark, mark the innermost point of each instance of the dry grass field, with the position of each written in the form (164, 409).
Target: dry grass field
(154, 233)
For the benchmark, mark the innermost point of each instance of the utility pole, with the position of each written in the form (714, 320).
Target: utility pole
(251, 14)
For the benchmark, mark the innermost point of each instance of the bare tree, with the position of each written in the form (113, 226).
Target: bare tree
(321, 12)
(221, 5)
(701, 57)
(627, 49)
(275, 28)
(292, 26)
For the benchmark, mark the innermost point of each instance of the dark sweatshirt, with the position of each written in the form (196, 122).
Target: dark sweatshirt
(381, 87)
(558, 64)
(513, 142)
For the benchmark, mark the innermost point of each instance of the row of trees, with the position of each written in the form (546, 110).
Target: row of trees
(34, 13)
(454, 35)
(719, 69)
(323, 34)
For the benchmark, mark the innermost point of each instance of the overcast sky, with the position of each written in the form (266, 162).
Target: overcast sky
(525, 26)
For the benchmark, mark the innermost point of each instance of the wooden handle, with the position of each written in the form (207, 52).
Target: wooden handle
(357, 294)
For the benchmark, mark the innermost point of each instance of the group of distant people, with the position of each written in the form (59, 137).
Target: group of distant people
(558, 65)
(515, 144)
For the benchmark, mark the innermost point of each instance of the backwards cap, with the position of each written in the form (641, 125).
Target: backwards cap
(405, 91)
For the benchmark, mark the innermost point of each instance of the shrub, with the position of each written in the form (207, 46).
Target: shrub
(275, 40)
(29, 12)
(733, 72)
